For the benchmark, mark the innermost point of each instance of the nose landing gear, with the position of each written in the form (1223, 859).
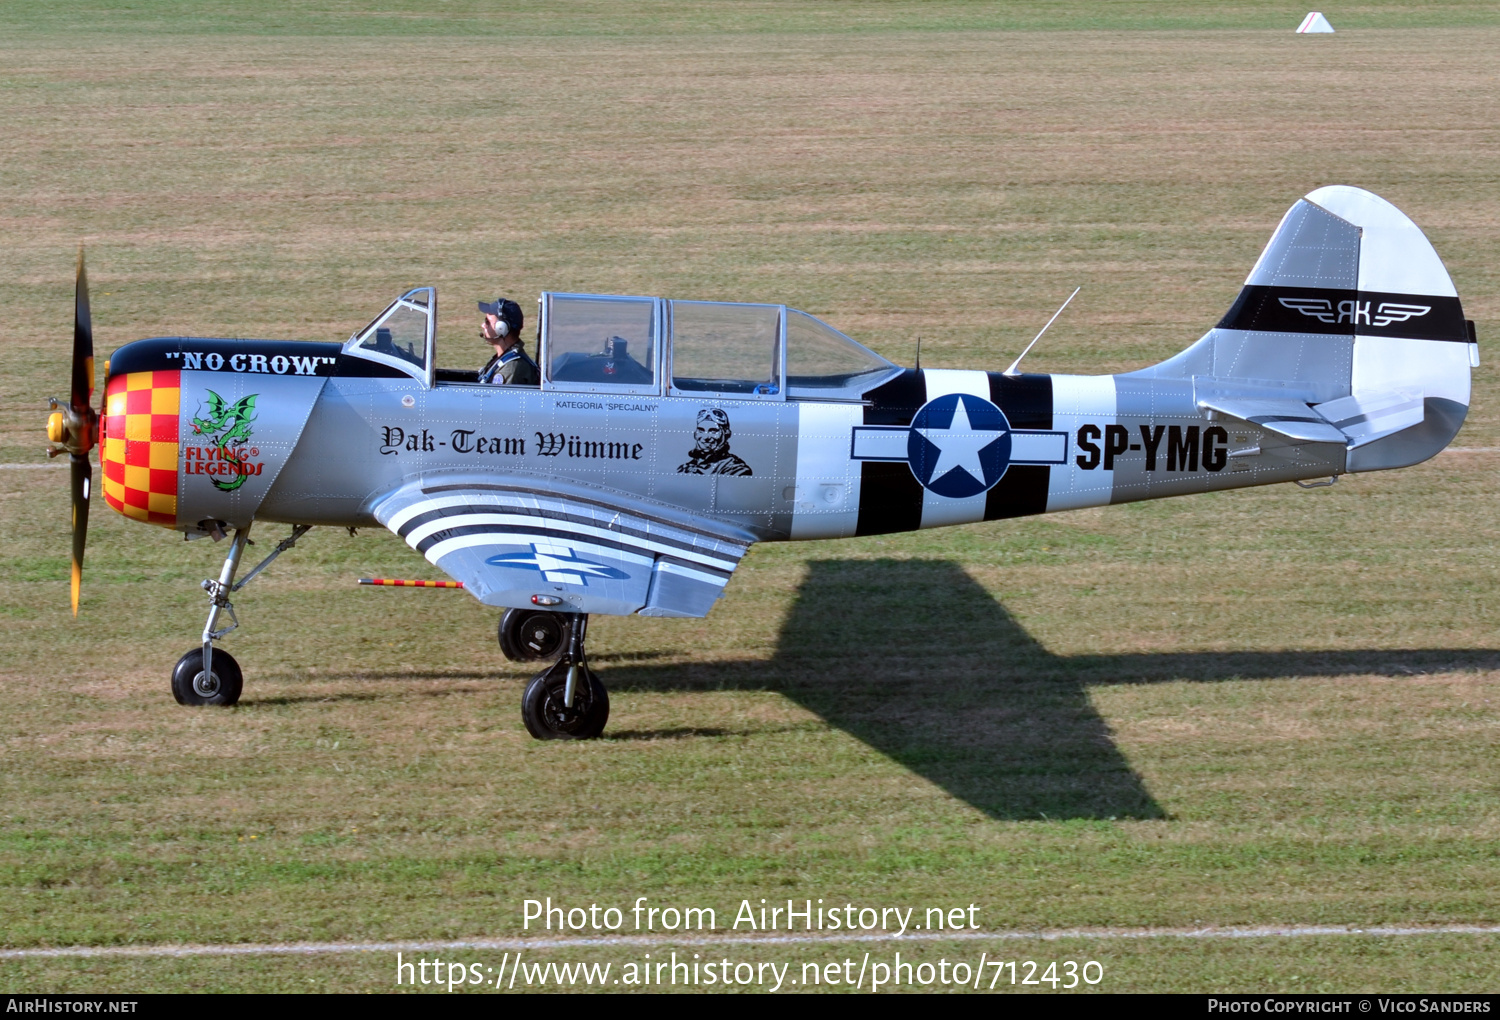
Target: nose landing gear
(566, 701)
(204, 676)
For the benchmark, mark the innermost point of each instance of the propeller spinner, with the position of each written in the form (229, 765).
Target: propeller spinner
(73, 426)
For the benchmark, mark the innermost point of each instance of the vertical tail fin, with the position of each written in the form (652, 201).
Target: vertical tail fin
(1350, 319)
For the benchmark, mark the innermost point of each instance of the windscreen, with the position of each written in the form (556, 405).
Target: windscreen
(400, 332)
(819, 357)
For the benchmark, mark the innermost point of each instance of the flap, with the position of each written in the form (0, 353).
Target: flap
(1291, 418)
(508, 539)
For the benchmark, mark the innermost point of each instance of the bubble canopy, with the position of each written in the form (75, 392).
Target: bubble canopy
(612, 343)
(750, 351)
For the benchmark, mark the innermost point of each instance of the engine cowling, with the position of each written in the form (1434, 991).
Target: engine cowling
(140, 452)
(197, 429)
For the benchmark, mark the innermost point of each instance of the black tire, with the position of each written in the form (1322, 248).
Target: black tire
(545, 717)
(221, 687)
(533, 635)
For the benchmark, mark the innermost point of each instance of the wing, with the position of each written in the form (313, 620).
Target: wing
(1315, 308)
(215, 413)
(510, 538)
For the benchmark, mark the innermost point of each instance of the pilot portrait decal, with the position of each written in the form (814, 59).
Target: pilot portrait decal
(710, 455)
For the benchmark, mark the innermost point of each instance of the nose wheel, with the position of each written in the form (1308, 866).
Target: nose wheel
(220, 684)
(566, 701)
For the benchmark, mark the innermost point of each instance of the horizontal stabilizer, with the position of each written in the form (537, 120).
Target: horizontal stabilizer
(1290, 418)
(1366, 417)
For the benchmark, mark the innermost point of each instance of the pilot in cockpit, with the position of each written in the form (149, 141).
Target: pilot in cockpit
(501, 329)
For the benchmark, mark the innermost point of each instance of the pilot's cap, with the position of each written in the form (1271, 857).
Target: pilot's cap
(508, 312)
(714, 415)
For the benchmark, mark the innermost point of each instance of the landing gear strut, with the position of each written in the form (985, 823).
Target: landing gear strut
(567, 701)
(203, 676)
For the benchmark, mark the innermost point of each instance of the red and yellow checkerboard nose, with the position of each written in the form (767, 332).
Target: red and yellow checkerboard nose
(140, 449)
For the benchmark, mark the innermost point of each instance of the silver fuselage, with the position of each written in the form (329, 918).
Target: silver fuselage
(666, 437)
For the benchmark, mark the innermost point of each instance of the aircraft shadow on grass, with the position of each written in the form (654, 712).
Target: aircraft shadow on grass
(921, 663)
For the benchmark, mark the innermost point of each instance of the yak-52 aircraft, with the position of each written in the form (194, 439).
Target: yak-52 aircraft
(668, 436)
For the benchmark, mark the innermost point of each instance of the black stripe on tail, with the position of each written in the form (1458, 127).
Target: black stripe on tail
(1346, 312)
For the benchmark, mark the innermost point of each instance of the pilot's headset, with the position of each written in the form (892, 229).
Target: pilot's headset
(511, 320)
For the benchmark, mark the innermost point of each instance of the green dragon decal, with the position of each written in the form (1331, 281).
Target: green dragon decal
(228, 427)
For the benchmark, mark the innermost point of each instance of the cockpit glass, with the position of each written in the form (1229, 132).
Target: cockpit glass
(601, 341)
(819, 357)
(400, 333)
(726, 348)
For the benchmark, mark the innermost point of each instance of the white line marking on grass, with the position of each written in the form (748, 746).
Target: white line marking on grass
(516, 944)
(1471, 449)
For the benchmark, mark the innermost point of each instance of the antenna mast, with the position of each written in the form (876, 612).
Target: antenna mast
(1014, 364)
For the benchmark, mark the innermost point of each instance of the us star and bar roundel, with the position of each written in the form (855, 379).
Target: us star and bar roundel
(958, 445)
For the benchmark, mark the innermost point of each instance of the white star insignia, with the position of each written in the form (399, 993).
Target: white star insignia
(561, 563)
(959, 445)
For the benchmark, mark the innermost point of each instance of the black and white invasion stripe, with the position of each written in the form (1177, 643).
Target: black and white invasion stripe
(436, 520)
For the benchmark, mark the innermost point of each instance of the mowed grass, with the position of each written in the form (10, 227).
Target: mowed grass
(1266, 707)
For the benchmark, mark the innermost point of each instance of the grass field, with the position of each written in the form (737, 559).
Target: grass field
(1269, 707)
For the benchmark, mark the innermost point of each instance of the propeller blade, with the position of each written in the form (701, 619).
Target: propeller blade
(80, 427)
(83, 483)
(83, 342)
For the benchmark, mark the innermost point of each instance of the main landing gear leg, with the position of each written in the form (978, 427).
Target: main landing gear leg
(204, 676)
(567, 701)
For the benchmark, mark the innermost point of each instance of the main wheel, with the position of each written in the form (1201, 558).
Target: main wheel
(532, 635)
(547, 719)
(220, 686)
